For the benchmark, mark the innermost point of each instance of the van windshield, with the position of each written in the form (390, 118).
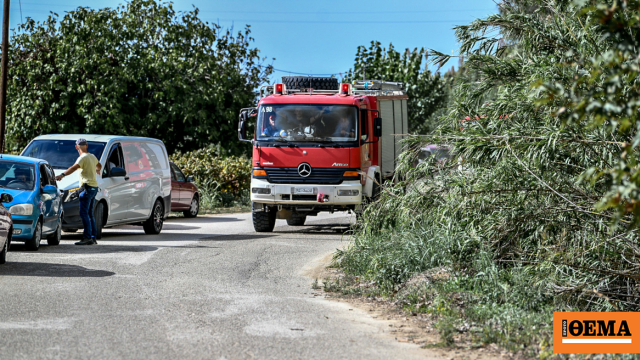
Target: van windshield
(61, 154)
(302, 122)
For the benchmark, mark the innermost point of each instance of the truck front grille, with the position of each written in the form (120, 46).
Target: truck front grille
(322, 176)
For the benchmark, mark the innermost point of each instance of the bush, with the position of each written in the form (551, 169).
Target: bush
(223, 181)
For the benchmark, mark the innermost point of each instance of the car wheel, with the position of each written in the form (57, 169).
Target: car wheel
(33, 244)
(98, 214)
(154, 223)
(264, 221)
(193, 209)
(296, 220)
(3, 253)
(54, 239)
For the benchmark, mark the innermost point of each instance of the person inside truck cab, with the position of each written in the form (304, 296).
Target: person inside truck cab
(271, 129)
(305, 121)
(344, 128)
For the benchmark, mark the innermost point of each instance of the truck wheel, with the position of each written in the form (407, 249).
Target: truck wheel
(264, 221)
(153, 225)
(305, 82)
(296, 220)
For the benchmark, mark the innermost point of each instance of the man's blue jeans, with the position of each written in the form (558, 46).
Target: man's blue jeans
(87, 202)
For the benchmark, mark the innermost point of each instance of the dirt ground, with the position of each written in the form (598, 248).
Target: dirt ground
(418, 329)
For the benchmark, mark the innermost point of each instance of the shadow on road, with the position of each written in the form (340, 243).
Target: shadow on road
(323, 229)
(49, 270)
(93, 249)
(235, 237)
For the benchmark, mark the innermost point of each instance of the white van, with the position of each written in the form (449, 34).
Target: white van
(135, 186)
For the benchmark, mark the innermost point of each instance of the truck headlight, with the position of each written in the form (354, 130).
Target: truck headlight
(263, 191)
(348, 192)
(21, 209)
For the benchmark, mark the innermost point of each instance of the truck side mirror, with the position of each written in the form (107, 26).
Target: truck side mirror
(377, 127)
(242, 126)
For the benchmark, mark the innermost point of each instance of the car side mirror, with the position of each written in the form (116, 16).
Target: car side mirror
(49, 189)
(190, 179)
(377, 127)
(242, 125)
(6, 198)
(118, 172)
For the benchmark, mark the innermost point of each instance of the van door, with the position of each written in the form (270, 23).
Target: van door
(118, 188)
(145, 167)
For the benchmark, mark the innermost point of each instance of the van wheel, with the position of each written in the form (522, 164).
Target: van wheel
(98, 214)
(33, 244)
(193, 209)
(3, 253)
(54, 239)
(264, 221)
(154, 223)
(296, 220)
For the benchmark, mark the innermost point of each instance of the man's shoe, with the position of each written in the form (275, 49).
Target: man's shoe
(85, 242)
(95, 242)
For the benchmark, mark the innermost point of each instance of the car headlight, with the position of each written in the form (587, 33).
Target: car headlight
(71, 194)
(348, 192)
(21, 209)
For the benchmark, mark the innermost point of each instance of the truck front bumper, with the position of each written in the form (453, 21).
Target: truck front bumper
(347, 193)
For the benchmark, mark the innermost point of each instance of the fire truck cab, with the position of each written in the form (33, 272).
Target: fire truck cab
(321, 150)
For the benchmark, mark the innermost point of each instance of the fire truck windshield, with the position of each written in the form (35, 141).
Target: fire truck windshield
(302, 122)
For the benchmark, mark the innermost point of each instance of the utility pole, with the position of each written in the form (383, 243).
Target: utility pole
(3, 66)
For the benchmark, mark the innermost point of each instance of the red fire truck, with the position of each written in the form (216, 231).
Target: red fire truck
(321, 146)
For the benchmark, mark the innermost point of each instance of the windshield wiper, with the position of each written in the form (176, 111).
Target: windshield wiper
(289, 144)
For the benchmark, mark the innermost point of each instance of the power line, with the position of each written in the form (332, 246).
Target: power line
(343, 12)
(251, 21)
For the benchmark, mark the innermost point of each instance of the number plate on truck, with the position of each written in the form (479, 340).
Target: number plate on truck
(303, 190)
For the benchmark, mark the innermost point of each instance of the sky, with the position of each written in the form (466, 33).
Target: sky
(312, 37)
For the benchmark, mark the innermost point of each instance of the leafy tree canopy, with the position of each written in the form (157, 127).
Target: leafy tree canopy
(427, 92)
(141, 69)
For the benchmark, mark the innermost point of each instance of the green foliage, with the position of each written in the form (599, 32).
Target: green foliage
(427, 92)
(139, 69)
(230, 175)
(537, 211)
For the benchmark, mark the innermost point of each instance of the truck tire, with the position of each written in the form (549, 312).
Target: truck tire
(296, 220)
(264, 221)
(306, 82)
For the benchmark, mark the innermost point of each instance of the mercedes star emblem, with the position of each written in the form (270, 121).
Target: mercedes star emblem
(304, 169)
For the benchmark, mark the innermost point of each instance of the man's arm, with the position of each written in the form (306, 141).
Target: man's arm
(98, 168)
(67, 172)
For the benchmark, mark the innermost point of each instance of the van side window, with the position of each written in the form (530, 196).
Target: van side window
(135, 158)
(156, 155)
(114, 160)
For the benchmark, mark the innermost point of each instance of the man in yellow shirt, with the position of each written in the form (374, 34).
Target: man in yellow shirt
(91, 167)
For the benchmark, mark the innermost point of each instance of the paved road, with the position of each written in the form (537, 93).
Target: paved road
(206, 288)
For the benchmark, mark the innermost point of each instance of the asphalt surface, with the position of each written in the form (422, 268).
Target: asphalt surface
(205, 288)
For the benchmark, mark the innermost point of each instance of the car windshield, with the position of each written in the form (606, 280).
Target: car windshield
(61, 154)
(301, 122)
(17, 175)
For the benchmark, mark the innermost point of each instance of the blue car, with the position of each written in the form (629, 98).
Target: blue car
(36, 207)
